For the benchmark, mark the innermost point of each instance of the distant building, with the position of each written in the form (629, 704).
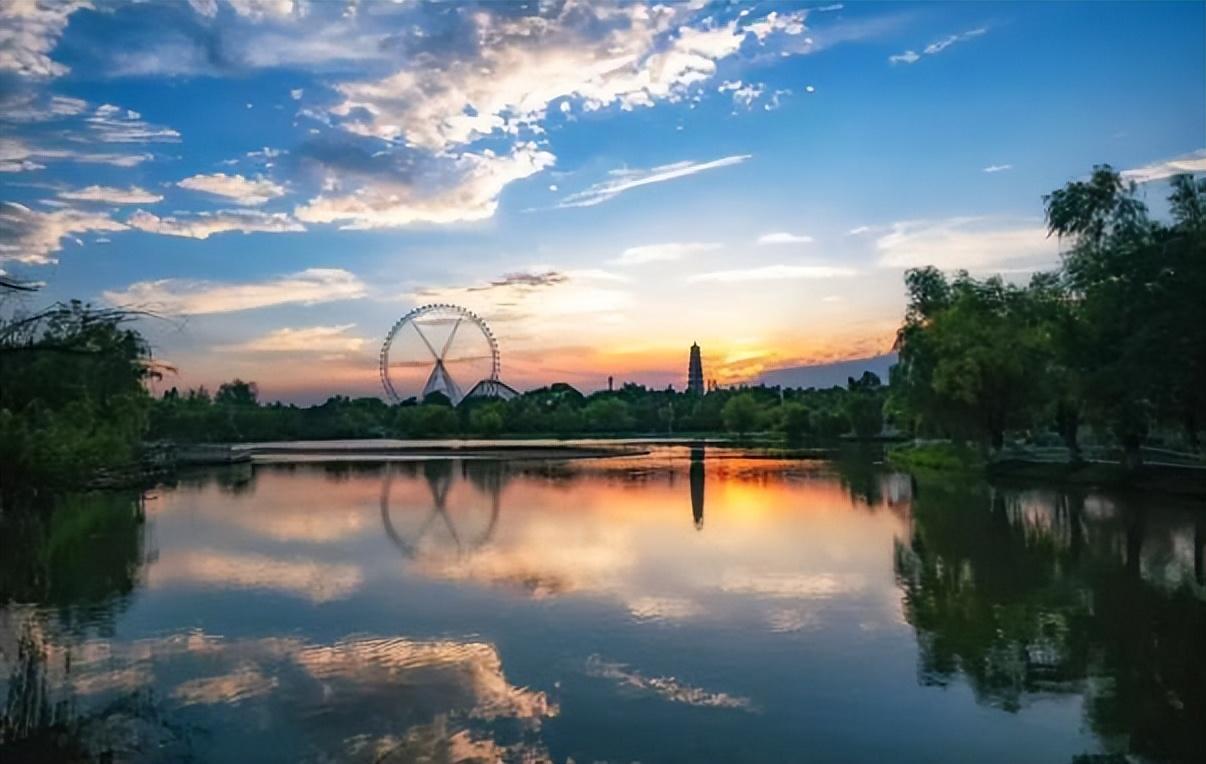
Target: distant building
(695, 378)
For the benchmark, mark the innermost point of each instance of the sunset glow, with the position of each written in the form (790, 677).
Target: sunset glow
(603, 184)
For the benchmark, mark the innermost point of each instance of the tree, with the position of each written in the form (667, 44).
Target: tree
(486, 420)
(607, 415)
(741, 413)
(864, 405)
(237, 393)
(973, 356)
(795, 421)
(434, 420)
(1137, 286)
(72, 400)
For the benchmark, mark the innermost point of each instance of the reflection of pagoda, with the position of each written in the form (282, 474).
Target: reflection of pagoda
(697, 486)
(695, 379)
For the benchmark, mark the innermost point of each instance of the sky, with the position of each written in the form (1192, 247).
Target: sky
(280, 180)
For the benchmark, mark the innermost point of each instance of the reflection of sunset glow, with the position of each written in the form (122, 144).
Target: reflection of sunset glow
(317, 582)
(771, 534)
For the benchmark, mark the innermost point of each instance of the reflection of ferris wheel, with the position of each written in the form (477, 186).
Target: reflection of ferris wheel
(437, 348)
(419, 535)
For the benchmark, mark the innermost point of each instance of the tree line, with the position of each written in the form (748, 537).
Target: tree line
(1115, 338)
(233, 413)
(1112, 342)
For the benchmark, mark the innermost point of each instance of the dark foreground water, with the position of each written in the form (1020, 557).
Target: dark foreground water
(685, 606)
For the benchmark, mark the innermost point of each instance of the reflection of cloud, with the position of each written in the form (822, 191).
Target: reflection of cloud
(126, 679)
(435, 742)
(785, 620)
(469, 674)
(794, 585)
(663, 608)
(381, 699)
(667, 687)
(315, 581)
(242, 683)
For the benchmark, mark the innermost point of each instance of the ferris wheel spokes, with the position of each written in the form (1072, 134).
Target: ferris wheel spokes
(423, 337)
(473, 352)
(451, 334)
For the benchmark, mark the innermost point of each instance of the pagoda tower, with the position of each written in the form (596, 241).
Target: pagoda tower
(695, 377)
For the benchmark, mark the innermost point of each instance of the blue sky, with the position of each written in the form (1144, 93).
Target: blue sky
(605, 184)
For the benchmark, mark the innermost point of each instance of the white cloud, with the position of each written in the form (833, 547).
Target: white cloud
(936, 47)
(296, 94)
(784, 238)
(998, 168)
(625, 55)
(537, 302)
(1193, 162)
(946, 42)
(908, 57)
(18, 156)
(207, 8)
(181, 296)
(468, 191)
(30, 236)
(972, 243)
(33, 106)
(258, 10)
(744, 93)
(111, 195)
(310, 339)
(651, 253)
(240, 190)
(29, 32)
(626, 180)
(859, 230)
(113, 124)
(206, 224)
(774, 273)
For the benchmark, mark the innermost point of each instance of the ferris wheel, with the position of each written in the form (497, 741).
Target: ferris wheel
(438, 348)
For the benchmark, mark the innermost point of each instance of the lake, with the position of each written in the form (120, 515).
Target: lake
(687, 605)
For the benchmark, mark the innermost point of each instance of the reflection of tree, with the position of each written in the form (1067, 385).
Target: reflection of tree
(43, 722)
(488, 477)
(81, 554)
(1026, 593)
(859, 473)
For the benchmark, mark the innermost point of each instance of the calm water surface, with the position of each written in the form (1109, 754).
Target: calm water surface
(683, 606)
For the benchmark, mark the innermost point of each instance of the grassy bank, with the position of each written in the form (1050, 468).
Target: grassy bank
(962, 459)
(938, 456)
